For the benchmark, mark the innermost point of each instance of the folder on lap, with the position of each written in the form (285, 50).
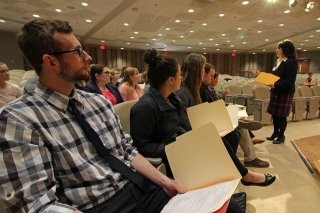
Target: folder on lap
(201, 164)
(266, 78)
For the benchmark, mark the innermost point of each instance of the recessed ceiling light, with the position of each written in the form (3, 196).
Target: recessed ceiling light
(191, 10)
(189, 47)
(272, 1)
(191, 31)
(305, 50)
(306, 40)
(58, 10)
(228, 41)
(299, 48)
(231, 45)
(223, 34)
(128, 42)
(177, 21)
(263, 50)
(239, 28)
(218, 49)
(210, 39)
(126, 24)
(281, 25)
(84, 4)
(2, 21)
(245, 2)
(154, 39)
(260, 21)
(88, 20)
(159, 34)
(147, 44)
(253, 53)
(301, 44)
(200, 43)
(311, 36)
(131, 37)
(167, 29)
(221, 14)
(244, 42)
(234, 50)
(204, 53)
(204, 48)
(121, 48)
(204, 24)
(181, 36)
(173, 40)
(136, 33)
(318, 19)
(103, 41)
(266, 39)
(318, 47)
(259, 31)
(217, 44)
(318, 31)
(164, 45)
(286, 11)
(241, 36)
(36, 15)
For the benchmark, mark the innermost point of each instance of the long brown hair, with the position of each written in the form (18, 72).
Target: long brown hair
(192, 74)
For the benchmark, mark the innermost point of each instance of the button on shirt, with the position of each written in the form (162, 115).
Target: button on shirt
(47, 163)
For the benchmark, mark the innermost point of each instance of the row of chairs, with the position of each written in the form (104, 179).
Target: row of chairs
(20, 77)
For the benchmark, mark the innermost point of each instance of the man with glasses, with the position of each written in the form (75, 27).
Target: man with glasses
(49, 161)
(8, 90)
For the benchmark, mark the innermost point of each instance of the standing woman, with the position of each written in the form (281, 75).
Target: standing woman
(282, 91)
(100, 84)
(129, 88)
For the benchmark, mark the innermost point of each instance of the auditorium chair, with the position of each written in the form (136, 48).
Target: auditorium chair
(312, 101)
(299, 107)
(123, 111)
(261, 96)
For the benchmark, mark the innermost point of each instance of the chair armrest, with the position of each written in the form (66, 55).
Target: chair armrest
(155, 161)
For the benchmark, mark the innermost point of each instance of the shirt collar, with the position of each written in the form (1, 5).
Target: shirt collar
(54, 98)
(161, 102)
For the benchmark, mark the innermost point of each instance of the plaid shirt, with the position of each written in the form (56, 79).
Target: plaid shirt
(47, 163)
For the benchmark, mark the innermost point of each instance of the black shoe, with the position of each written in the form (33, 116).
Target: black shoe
(272, 137)
(268, 181)
(279, 140)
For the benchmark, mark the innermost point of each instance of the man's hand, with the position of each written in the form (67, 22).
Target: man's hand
(171, 187)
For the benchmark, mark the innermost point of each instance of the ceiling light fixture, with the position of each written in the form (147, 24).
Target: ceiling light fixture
(309, 6)
(292, 3)
(245, 2)
(2, 21)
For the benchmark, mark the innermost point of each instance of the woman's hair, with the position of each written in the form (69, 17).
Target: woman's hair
(288, 48)
(208, 67)
(192, 74)
(216, 75)
(128, 72)
(160, 67)
(95, 69)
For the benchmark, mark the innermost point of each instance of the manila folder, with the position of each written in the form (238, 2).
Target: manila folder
(266, 78)
(200, 163)
(215, 112)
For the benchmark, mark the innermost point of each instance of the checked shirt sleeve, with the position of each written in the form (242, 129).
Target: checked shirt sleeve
(26, 175)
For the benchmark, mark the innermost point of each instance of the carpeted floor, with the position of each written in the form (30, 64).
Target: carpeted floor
(310, 148)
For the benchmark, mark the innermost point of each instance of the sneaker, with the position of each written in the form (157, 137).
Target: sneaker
(257, 141)
(250, 124)
(257, 163)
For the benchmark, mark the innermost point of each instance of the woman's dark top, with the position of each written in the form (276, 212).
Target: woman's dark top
(155, 122)
(93, 88)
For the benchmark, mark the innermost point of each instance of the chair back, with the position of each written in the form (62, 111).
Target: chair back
(247, 90)
(316, 90)
(123, 111)
(305, 91)
(261, 92)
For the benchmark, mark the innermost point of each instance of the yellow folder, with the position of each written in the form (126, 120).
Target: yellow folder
(266, 78)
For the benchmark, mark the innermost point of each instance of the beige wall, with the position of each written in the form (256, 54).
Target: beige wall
(10, 52)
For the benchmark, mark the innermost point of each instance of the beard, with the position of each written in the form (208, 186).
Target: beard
(72, 75)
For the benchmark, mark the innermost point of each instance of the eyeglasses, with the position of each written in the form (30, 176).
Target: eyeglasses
(79, 50)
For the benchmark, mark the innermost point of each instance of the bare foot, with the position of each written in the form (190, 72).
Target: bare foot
(254, 177)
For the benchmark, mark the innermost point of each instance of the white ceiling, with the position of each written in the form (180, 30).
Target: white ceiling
(150, 18)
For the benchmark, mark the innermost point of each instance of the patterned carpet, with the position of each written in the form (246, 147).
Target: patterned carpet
(310, 149)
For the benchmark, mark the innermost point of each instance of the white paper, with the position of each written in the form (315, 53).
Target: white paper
(205, 200)
(233, 114)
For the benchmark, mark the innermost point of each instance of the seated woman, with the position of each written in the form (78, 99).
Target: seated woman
(8, 91)
(159, 116)
(310, 81)
(129, 87)
(100, 83)
(114, 77)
